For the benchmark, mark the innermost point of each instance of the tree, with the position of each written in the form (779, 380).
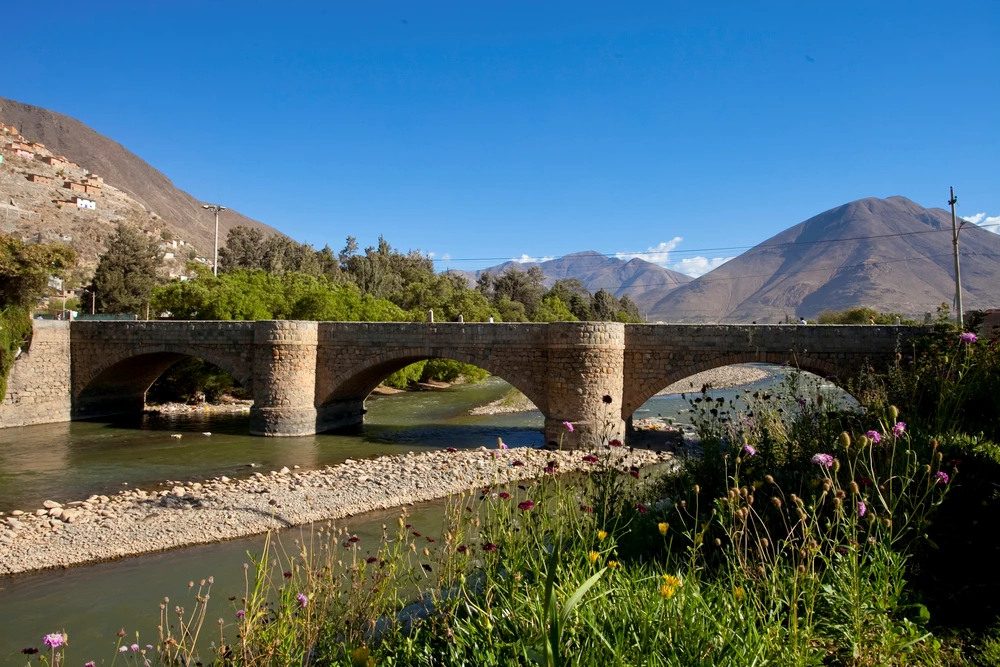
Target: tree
(552, 309)
(606, 306)
(126, 273)
(521, 287)
(244, 250)
(25, 269)
(629, 310)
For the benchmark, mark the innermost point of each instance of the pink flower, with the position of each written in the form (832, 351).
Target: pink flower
(824, 460)
(501, 444)
(90, 663)
(615, 443)
(451, 450)
(590, 458)
(874, 436)
(134, 647)
(122, 649)
(899, 429)
(642, 509)
(526, 505)
(518, 464)
(489, 546)
(968, 337)
(303, 599)
(941, 476)
(750, 450)
(862, 508)
(55, 640)
(569, 427)
(240, 614)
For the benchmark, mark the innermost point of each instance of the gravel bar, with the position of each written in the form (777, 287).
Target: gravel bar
(137, 521)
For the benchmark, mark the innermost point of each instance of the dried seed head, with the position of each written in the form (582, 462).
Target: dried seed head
(836, 502)
(853, 486)
(845, 440)
(769, 479)
(776, 501)
(718, 542)
(764, 543)
(893, 413)
(802, 569)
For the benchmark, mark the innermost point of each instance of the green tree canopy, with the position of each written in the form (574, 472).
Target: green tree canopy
(126, 273)
(25, 269)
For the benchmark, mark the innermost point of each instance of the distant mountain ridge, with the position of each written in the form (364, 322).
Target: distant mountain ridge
(634, 277)
(889, 254)
(124, 170)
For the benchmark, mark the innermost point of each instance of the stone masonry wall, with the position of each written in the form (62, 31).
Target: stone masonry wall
(38, 389)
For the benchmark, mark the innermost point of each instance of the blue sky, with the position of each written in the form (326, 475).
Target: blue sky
(484, 131)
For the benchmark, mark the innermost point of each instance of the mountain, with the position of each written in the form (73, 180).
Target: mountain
(179, 211)
(889, 254)
(634, 277)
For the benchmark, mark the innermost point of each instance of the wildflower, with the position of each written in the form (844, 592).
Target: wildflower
(134, 647)
(240, 614)
(750, 450)
(968, 337)
(615, 443)
(416, 534)
(593, 556)
(501, 444)
(587, 508)
(874, 436)
(489, 546)
(642, 509)
(663, 527)
(612, 564)
(601, 534)
(55, 640)
(526, 505)
(122, 649)
(451, 450)
(801, 401)
(667, 591)
(31, 650)
(548, 469)
(738, 593)
(824, 460)
(504, 495)
(590, 458)
(569, 427)
(353, 539)
(371, 559)
(90, 663)
(941, 476)
(303, 599)
(287, 575)
(517, 464)
(149, 647)
(899, 429)
(862, 508)
(634, 472)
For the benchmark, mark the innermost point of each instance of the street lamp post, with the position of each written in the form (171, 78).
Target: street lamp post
(955, 229)
(217, 209)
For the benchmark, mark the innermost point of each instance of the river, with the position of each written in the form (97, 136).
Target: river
(73, 460)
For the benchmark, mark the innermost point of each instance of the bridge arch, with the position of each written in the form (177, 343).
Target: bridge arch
(359, 380)
(118, 384)
(637, 394)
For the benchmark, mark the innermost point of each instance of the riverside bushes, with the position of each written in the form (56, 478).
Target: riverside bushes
(802, 536)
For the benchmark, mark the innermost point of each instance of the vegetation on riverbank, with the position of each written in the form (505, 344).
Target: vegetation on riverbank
(804, 535)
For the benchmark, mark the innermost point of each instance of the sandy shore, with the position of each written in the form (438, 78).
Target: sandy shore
(717, 378)
(135, 522)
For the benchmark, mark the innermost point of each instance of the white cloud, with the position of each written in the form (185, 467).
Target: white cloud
(527, 259)
(698, 266)
(657, 255)
(990, 223)
(431, 255)
(446, 257)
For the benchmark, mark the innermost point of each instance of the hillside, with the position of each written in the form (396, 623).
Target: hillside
(180, 212)
(889, 254)
(634, 277)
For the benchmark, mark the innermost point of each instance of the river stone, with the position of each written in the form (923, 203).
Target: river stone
(50, 504)
(55, 512)
(71, 516)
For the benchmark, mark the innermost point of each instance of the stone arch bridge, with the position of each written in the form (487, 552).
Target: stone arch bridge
(308, 377)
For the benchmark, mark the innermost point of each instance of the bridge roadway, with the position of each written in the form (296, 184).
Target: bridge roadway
(308, 377)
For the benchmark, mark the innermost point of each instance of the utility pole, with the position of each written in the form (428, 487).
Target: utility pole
(958, 271)
(217, 209)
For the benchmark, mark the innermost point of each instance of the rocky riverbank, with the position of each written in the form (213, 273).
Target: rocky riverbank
(142, 521)
(718, 378)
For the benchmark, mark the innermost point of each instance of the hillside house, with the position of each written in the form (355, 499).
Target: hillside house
(85, 204)
(94, 178)
(19, 149)
(168, 255)
(38, 148)
(10, 129)
(85, 188)
(38, 178)
(57, 161)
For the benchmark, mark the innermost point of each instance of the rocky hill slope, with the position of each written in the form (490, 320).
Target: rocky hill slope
(634, 277)
(180, 212)
(889, 254)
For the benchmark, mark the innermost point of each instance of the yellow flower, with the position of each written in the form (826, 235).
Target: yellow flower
(738, 593)
(664, 527)
(593, 556)
(612, 564)
(667, 591)
(671, 580)
(601, 534)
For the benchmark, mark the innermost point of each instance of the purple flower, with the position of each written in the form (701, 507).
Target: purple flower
(862, 508)
(504, 495)
(615, 443)
(353, 539)
(451, 450)
(801, 401)
(968, 337)
(874, 436)
(90, 663)
(240, 614)
(569, 427)
(489, 546)
(526, 505)
(518, 464)
(941, 476)
(371, 559)
(548, 469)
(824, 460)
(134, 647)
(55, 640)
(462, 548)
(590, 458)
(149, 647)
(750, 450)
(899, 429)
(287, 575)
(303, 599)
(642, 509)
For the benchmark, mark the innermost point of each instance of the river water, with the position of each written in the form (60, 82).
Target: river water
(71, 461)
